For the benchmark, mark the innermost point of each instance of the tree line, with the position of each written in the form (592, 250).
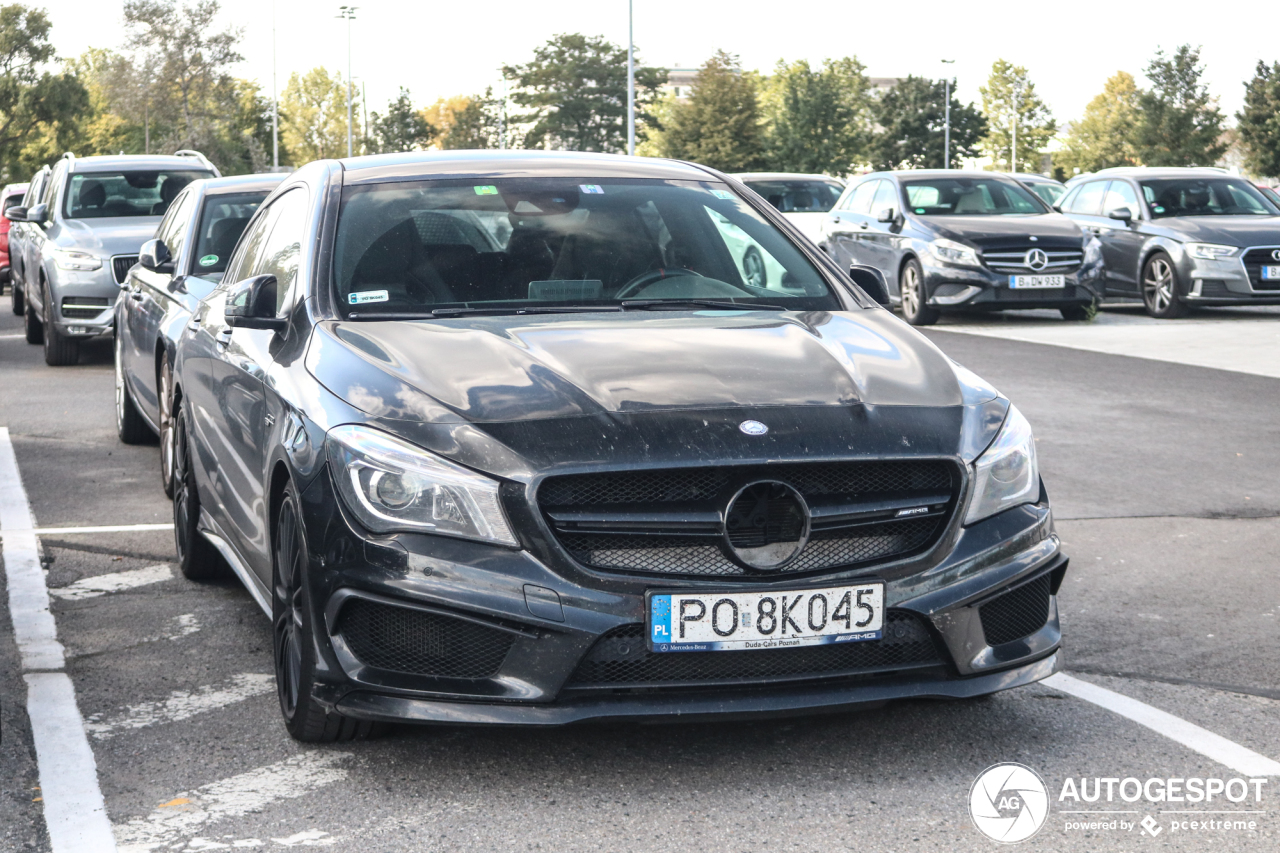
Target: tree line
(171, 86)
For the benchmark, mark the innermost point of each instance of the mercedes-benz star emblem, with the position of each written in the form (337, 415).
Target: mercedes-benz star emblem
(753, 428)
(1037, 259)
(766, 525)
(1275, 253)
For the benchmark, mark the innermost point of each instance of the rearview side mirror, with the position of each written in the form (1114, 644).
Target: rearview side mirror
(154, 255)
(16, 214)
(871, 280)
(251, 304)
(37, 214)
(887, 215)
(1123, 214)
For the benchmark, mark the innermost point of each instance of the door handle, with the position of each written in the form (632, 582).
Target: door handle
(224, 339)
(863, 226)
(135, 295)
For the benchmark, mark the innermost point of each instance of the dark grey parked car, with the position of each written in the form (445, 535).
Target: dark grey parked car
(1177, 238)
(508, 437)
(954, 240)
(175, 270)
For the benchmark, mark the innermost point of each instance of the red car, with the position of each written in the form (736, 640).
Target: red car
(10, 196)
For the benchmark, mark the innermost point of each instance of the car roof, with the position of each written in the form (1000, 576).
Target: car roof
(425, 165)
(1033, 178)
(15, 188)
(782, 176)
(122, 162)
(939, 173)
(240, 183)
(1161, 172)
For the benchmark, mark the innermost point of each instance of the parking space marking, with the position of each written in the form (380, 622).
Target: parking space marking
(74, 812)
(180, 705)
(114, 582)
(250, 792)
(109, 528)
(1193, 737)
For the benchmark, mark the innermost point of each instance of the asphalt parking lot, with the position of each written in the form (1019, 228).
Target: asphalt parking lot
(1161, 463)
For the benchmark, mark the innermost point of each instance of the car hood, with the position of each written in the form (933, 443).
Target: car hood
(505, 369)
(997, 232)
(111, 236)
(1231, 230)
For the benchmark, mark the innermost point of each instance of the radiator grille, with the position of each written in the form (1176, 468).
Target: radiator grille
(400, 639)
(1254, 261)
(120, 266)
(620, 658)
(1015, 260)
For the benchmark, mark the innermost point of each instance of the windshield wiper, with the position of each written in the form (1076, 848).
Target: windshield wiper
(467, 312)
(722, 305)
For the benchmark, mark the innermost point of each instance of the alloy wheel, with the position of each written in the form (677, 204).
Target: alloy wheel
(910, 291)
(287, 611)
(166, 430)
(753, 266)
(1157, 285)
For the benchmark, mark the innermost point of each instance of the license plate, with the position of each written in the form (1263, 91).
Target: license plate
(1029, 282)
(725, 621)
(1270, 273)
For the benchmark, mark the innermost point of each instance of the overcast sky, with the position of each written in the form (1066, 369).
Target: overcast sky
(444, 48)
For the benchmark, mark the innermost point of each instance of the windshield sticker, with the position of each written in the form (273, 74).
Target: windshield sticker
(208, 260)
(486, 190)
(591, 189)
(364, 296)
(722, 194)
(919, 210)
(1158, 209)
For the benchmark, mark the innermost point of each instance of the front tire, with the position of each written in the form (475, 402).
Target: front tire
(167, 440)
(914, 309)
(31, 324)
(293, 638)
(130, 426)
(17, 300)
(197, 559)
(1160, 291)
(59, 350)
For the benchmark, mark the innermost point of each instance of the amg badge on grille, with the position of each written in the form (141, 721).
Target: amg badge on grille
(753, 428)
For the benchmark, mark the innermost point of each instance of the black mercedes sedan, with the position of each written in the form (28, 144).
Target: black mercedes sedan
(1181, 238)
(954, 240)
(509, 438)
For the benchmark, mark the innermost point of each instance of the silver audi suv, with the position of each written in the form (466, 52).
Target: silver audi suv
(90, 219)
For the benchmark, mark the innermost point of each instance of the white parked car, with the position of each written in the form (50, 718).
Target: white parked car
(804, 199)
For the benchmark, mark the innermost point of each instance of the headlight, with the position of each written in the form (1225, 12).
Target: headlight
(390, 485)
(1210, 251)
(1005, 475)
(66, 259)
(951, 252)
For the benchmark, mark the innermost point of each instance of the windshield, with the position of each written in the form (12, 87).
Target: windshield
(222, 222)
(1204, 197)
(970, 197)
(98, 195)
(590, 243)
(799, 196)
(1050, 193)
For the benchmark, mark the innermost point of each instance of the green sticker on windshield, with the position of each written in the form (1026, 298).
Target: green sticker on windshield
(723, 194)
(486, 190)
(208, 260)
(1158, 209)
(920, 210)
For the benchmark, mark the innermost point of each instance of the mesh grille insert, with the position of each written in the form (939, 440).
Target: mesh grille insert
(120, 266)
(1016, 614)
(403, 640)
(620, 658)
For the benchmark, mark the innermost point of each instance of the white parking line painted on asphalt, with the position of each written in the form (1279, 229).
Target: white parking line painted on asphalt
(74, 812)
(190, 812)
(1203, 741)
(114, 582)
(110, 528)
(180, 705)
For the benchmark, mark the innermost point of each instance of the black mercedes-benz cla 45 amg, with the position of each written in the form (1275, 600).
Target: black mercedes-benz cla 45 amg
(511, 438)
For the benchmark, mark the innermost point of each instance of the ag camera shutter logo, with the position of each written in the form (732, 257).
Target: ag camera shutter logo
(1009, 802)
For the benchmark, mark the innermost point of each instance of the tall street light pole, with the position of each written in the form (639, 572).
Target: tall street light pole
(946, 132)
(631, 79)
(349, 12)
(275, 98)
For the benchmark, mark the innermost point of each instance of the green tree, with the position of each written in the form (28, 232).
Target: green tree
(819, 120)
(38, 108)
(1010, 97)
(402, 128)
(575, 94)
(912, 119)
(473, 122)
(720, 125)
(1258, 121)
(313, 116)
(1104, 135)
(1179, 123)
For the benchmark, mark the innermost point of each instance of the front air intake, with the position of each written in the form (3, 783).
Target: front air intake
(401, 639)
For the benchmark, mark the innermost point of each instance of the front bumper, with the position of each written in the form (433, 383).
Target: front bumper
(83, 302)
(1225, 282)
(979, 288)
(550, 623)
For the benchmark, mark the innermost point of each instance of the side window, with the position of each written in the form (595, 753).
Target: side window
(47, 193)
(860, 200)
(282, 251)
(1088, 201)
(32, 198)
(250, 247)
(1120, 194)
(173, 228)
(886, 196)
